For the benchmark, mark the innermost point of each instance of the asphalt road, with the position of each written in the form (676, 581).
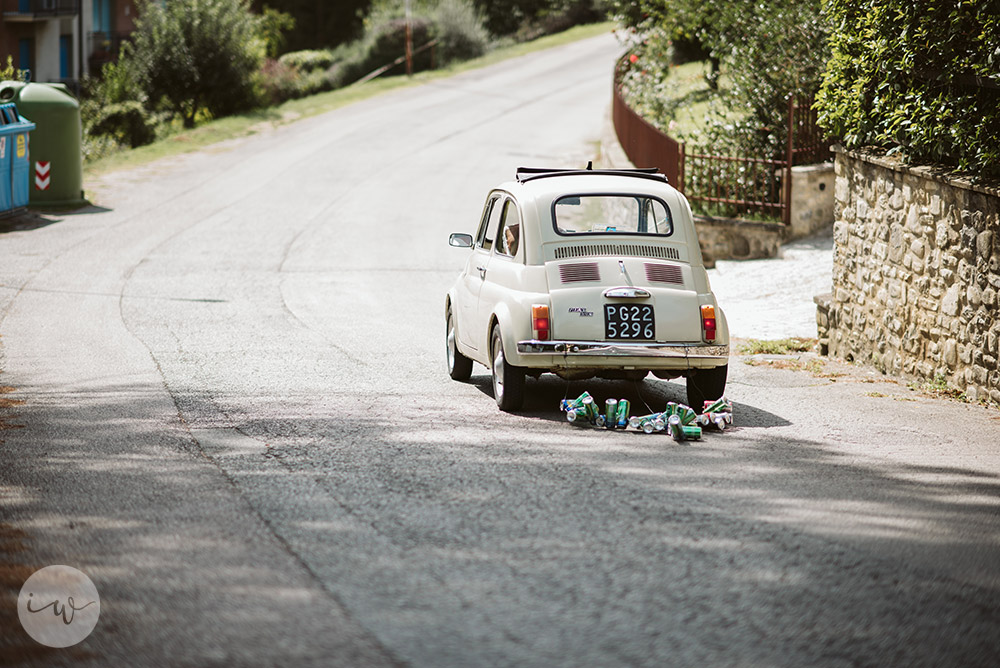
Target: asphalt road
(237, 422)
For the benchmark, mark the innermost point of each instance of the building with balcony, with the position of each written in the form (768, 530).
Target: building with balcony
(63, 40)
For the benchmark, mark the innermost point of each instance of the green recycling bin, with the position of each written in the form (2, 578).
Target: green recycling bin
(14, 159)
(56, 169)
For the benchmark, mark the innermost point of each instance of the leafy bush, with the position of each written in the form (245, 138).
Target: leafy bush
(455, 24)
(128, 123)
(385, 39)
(389, 43)
(10, 73)
(119, 82)
(277, 82)
(459, 30)
(916, 77)
(95, 147)
(114, 112)
(195, 56)
(308, 61)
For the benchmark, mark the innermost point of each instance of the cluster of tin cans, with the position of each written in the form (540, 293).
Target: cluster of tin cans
(584, 410)
(681, 421)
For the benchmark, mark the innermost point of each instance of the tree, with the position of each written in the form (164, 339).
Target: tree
(191, 56)
(274, 26)
(768, 49)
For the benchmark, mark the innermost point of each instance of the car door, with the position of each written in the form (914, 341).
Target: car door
(502, 278)
(470, 331)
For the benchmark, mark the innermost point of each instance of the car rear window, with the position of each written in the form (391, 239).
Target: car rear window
(612, 214)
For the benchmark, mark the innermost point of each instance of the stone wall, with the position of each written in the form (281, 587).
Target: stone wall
(732, 239)
(916, 271)
(812, 200)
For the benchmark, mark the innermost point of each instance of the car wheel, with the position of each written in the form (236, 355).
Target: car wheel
(508, 381)
(706, 385)
(459, 366)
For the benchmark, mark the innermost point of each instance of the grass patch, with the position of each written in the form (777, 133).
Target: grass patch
(814, 366)
(939, 388)
(777, 346)
(691, 97)
(242, 125)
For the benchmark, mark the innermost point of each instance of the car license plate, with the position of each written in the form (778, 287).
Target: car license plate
(629, 322)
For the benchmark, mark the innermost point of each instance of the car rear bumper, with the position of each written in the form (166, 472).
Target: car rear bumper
(586, 352)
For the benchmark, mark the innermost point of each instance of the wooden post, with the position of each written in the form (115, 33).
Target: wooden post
(680, 168)
(409, 42)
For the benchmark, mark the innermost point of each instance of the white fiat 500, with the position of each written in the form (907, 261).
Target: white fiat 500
(586, 273)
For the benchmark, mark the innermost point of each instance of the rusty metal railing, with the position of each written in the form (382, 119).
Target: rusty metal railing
(644, 145)
(729, 186)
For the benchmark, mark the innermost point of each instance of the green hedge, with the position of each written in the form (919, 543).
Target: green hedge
(308, 61)
(920, 77)
(128, 123)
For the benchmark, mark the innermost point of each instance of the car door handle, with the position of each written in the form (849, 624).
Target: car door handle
(482, 272)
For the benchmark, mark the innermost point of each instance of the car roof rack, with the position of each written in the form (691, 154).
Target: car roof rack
(525, 174)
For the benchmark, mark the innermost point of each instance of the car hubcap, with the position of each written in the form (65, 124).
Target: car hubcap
(498, 371)
(451, 345)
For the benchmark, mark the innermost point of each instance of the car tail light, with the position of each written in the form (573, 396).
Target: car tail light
(540, 322)
(708, 321)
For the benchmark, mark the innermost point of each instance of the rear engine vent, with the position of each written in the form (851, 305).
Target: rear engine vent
(664, 273)
(617, 250)
(584, 271)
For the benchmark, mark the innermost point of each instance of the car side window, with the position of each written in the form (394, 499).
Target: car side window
(488, 228)
(509, 239)
(487, 210)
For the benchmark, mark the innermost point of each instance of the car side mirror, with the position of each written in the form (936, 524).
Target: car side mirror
(460, 240)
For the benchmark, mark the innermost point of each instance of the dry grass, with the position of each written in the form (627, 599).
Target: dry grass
(777, 346)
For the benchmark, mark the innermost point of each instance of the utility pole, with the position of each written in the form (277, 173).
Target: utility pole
(409, 43)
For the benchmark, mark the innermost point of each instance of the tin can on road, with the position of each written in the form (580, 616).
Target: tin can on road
(611, 413)
(622, 418)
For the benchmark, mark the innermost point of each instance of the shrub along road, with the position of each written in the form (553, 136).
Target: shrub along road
(237, 422)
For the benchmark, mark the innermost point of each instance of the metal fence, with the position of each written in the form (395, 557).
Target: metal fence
(731, 187)
(644, 145)
(721, 185)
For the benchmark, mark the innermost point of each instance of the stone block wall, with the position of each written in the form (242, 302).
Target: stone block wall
(733, 239)
(812, 200)
(916, 273)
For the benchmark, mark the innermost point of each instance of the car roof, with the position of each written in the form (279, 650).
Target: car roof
(524, 174)
(547, 183)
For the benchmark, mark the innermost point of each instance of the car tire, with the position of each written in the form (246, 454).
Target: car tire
(706, 385)
(508, 381)
(459, 366)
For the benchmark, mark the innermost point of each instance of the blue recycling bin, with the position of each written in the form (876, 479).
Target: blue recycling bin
(15, 163)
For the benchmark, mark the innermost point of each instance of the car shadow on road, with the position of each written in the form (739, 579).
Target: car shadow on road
(542, 397)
